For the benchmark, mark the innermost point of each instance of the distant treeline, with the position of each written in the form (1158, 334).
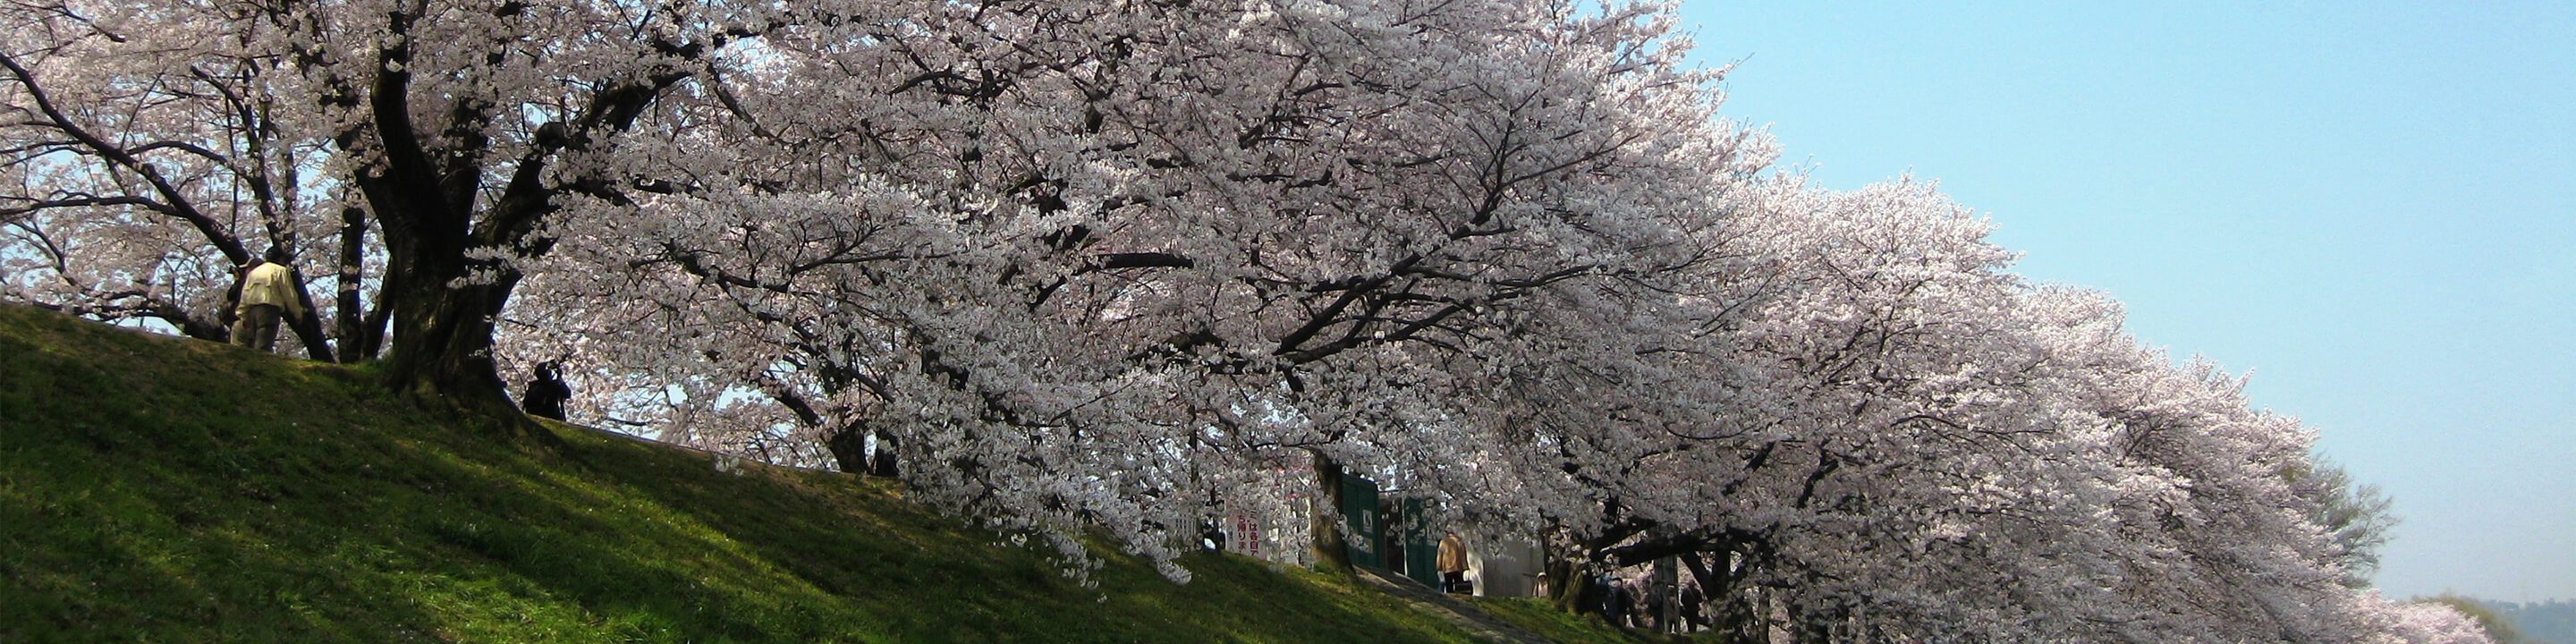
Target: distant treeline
(2551, 622)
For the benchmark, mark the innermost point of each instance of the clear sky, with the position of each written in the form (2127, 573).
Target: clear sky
(2371, 205)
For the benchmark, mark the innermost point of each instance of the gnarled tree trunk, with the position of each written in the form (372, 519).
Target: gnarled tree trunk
(443, 289)
(1324, 523)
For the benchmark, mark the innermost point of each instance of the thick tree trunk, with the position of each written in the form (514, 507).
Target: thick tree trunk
(424, 200)
(1569, 585)
(849, 448)
(308, 327)
(1324, 523)
(443, 320)
(358, 338)
(445, 351)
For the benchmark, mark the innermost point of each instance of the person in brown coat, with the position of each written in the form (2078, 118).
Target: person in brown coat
(1453, 564)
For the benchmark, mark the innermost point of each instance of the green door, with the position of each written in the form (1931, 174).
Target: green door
(1421, 550)
(1359, 514)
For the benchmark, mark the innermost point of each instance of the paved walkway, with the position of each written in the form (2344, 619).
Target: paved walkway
(1475, 622)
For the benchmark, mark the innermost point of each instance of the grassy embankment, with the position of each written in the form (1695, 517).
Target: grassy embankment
(163, 489)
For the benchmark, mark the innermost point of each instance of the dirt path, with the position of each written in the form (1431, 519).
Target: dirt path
(1475, 622)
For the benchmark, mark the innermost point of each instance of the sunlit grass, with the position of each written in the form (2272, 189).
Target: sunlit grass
(168, 490)
(1536, 616)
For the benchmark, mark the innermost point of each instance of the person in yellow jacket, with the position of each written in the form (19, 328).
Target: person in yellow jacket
(268, 292)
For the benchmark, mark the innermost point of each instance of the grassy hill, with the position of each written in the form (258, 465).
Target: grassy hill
(168, 490)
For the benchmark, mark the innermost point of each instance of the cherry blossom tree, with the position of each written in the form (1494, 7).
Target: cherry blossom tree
(453, 129)
(1203, 234)
(1912, 443)
(2426, 623)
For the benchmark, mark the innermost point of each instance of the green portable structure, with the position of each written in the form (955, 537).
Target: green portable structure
(1359, 514)
(1421, 549)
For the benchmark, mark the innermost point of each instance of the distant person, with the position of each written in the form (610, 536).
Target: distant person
(1692, 621)
(546, 392)
(265, 294)
(1657, 603)
(1453, 564)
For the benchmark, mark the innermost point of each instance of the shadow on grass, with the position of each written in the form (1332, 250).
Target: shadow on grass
(162, 489)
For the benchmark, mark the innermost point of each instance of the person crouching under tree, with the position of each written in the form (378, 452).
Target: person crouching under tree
(546, 392)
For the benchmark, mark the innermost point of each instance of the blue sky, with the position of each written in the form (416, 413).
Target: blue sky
(2370, 205)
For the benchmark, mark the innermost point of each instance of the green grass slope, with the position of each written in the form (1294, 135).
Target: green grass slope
(168, 490)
